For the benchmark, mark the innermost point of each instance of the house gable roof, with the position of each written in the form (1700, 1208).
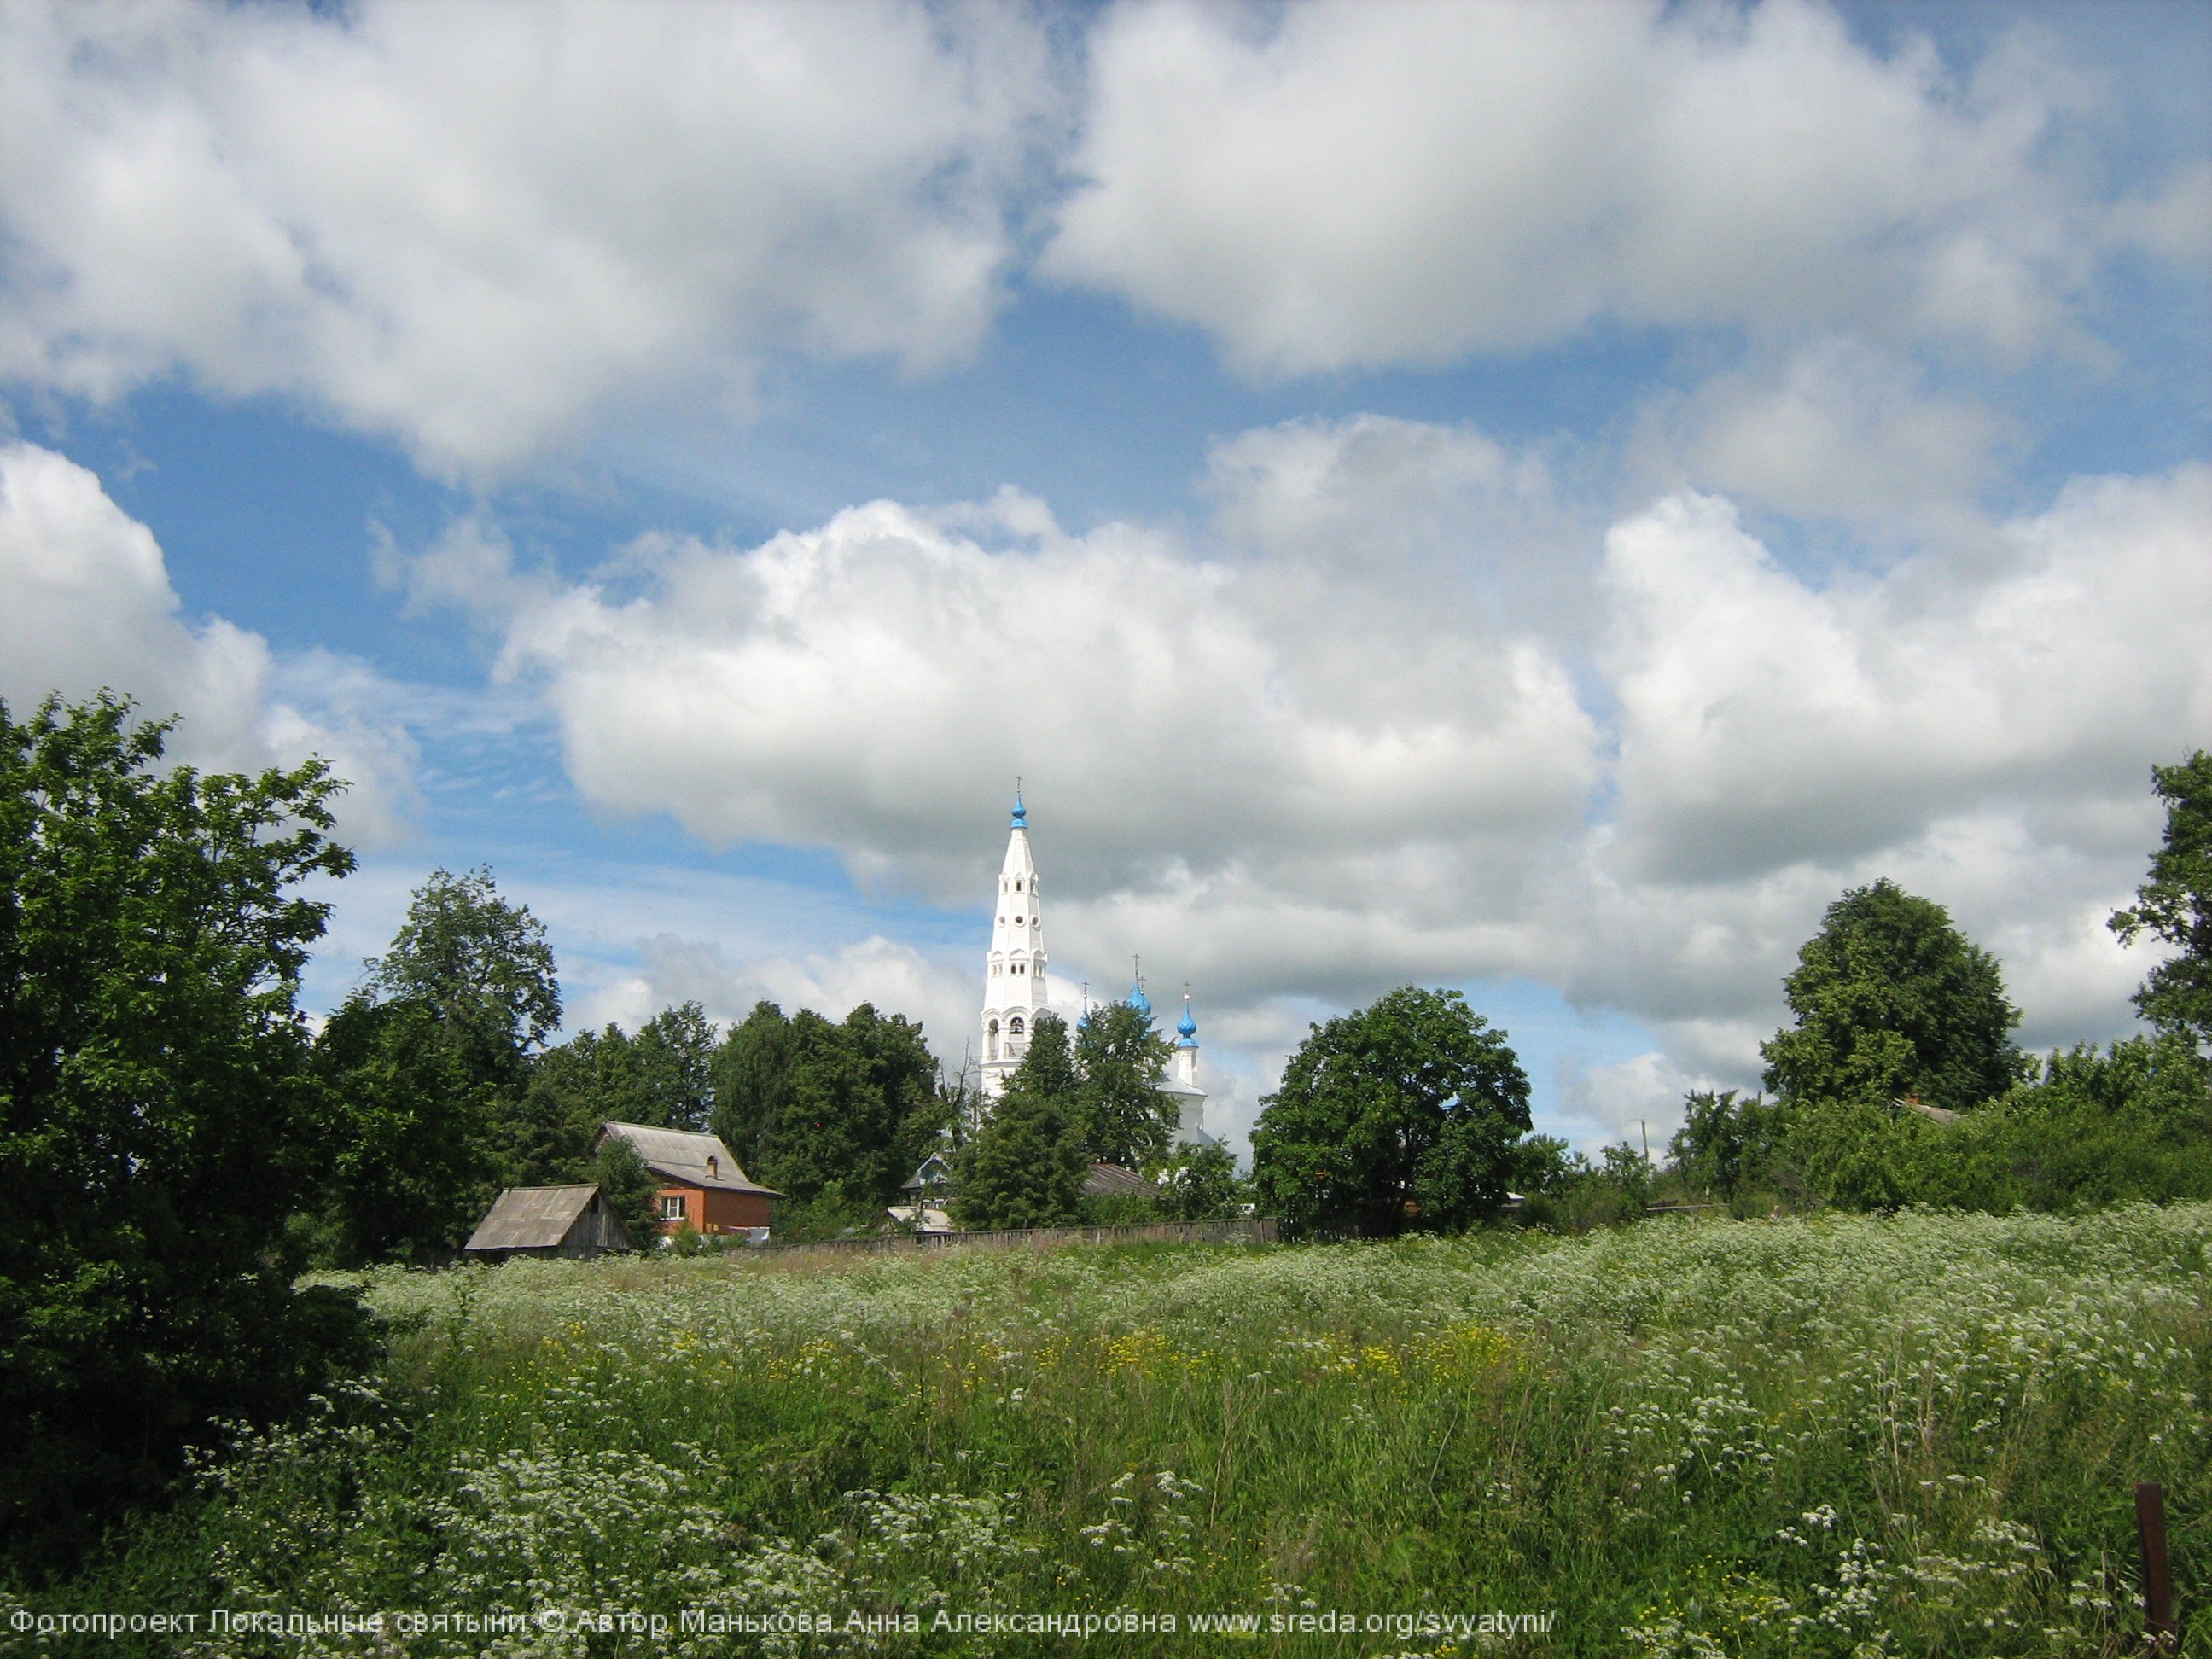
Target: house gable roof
(531, 1218)
(681, 1157)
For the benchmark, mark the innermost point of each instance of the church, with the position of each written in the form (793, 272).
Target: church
(1017, 989)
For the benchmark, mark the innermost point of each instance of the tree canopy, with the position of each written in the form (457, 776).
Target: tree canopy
(805, 1101)
(430, 1064)
(2175, 904)
(663, 1077)
(158, 1117)
(1026, 1166)
(1891, 1000)
(1121, 1112)
(483, 963)
(1407, 1114)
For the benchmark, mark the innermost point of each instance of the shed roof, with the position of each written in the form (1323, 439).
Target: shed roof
(683, 1157)
(531, 1218)
(1109, 1178)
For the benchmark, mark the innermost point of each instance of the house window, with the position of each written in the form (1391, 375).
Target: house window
(671, 1207)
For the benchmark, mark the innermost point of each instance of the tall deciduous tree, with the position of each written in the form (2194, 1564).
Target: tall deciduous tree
(2175, 904)
(807, 1103)
(484, 964)
(430, 1062)
(1404, 1115)
(158, 1120)
(1891, 1000)
(1121, 1110)
(752, 1084)
(414, 1167)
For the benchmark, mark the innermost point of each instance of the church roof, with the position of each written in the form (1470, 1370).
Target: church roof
(1187, 1027)
(1138, 999)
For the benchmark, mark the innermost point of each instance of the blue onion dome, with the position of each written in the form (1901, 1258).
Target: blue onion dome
(1139, 1000)
(1021, 812)
(1186, 1028)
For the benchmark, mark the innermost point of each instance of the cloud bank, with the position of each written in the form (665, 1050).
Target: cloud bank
(1335, 186)
(85, 604)
(487, 231)
(476, 229)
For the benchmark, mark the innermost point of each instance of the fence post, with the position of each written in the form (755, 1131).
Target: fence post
(2157, 1578)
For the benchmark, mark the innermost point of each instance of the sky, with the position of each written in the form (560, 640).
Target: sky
(1536, 499)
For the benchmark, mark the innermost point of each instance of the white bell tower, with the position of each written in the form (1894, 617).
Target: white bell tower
(1014, 980)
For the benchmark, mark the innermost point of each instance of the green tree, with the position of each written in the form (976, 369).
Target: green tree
(671, 1067)
(1023, 1168)
(752, 1072)
(1198, 1183)
(805, 1102)
(663, 1078)
(158, 1119)
(2175, 904)
(631, 1190)
(1723, 1141)
(413, 1170)
(1408, 1114)
(1891, 1000)
(484, 964)
(430, 1063)
(1046, 1067)
(1120, 1109)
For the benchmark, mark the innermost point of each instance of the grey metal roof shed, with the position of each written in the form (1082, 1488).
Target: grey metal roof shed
(568, 1221)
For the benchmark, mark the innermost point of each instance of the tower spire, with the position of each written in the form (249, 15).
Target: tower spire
(1014, 980)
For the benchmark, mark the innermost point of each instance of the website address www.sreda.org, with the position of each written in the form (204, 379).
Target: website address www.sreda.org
(1451, 1626)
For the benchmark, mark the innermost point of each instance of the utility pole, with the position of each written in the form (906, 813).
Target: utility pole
(1645, 1131)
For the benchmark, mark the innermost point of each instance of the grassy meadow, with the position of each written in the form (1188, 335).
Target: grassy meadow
(1840, 1436)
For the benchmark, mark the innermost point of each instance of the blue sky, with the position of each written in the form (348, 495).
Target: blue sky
(1495, 496)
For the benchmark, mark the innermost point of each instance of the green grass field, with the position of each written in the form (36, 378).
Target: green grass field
(1914, 1435)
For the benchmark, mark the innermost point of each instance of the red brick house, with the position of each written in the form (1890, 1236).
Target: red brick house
(699, 1182)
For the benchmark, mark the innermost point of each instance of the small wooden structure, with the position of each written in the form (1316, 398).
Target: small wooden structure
(569, 1221)
(700, 1182)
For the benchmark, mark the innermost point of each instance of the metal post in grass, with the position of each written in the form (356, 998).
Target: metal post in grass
(2157, 1579)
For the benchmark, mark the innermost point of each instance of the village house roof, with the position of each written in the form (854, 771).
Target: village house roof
(685, 1158)
(531, 1218)
(935, 1172)
(1105, 1179)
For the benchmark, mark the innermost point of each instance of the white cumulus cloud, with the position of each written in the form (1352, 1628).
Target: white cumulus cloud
(1326, 186)
(864, 684)
(474, 227)
(85, 604)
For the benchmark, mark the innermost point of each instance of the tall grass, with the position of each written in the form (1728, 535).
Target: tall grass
(1845, 1435)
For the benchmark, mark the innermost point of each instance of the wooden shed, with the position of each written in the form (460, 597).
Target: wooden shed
(571, 1221)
